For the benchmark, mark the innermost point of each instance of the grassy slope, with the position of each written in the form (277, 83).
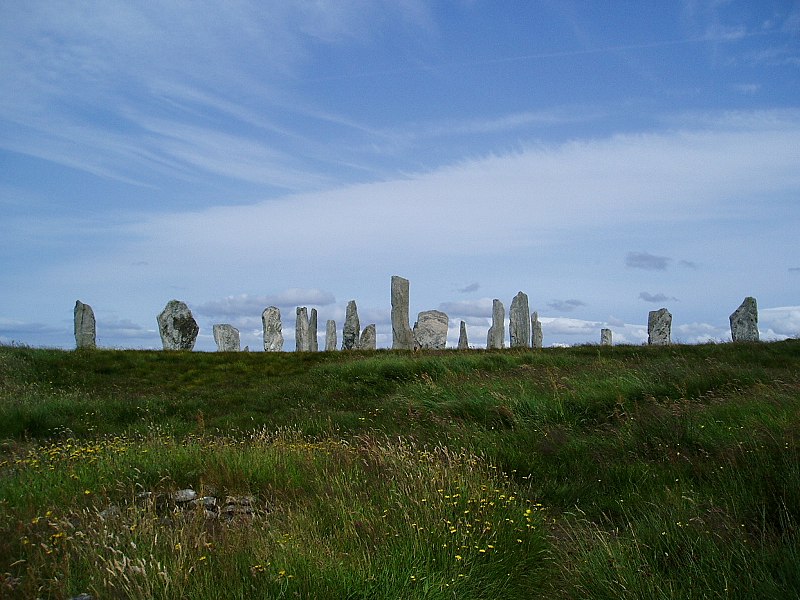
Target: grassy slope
(663, 472)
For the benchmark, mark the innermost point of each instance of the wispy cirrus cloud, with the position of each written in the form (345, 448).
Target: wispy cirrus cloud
(647, 261)
(648, 297)
(566, 305)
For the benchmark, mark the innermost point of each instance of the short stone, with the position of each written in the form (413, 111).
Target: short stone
(183, 496)
(744, 321)
(519, 323)
(369, 338)
(495, 337)
(330, 335)
(430, 330)
(537, 338)
(352, 328)
(273, 330)
(605, 337)
(177, 326)
(227, 338)
(659, 327)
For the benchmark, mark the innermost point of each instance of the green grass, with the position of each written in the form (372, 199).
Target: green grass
(624, 472)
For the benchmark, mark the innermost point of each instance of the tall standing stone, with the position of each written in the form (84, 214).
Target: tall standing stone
(463, 342)
(273, 330)
(495, 337)
(537, 338)
(313, 342)
(402, 336)
(369, 338)
(226, 337)
(330, 335)
(744, 321)
(519, 322)
(605, 337)
(352, 328)
(659, 327)
(301, 340)
(430, 330)
(85, 327)
(177, 326)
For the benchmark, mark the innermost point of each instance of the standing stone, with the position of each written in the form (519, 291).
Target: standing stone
(605, 337)
(402, 336)
(301, 341)
(519, 324)
(369, 338)
(330, 336)
(496, 335)
(273, 330)
(85, 328)
(352, 328)
(536, 331)
(226, 337)
(659, 327)
(463, 343)
(430, 330)
(177, 326)
(313, 343)
(744, 321)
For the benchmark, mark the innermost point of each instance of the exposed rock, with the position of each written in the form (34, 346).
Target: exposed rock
(85, 329)
(313, 342)
(182, 496)
(659, 327)
(744, 321)
(177, 326)
(227, 338)
(301, 330)
(330, 335)
(605, 337)
(536, 331)
(463, 343)
(352, 328)
(273, 330)
(496, 335)
(430, 330)
(369, 338)
(519, 324)
(402, 336)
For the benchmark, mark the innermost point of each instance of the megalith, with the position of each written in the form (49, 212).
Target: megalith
(402, 336)
(313, 342)
(495, 337)
(536, 331)
(330, 335)
(301, 341)
(659, 327)
(369, 338)
(273, 330)
(463, 342)
(430, 330)
(352, 328)
(227, 338)
(744, 321)
(605, 337)
(177, 326)
(85, 327)
(519, 322)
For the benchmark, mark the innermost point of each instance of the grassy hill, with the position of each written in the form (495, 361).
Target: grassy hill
(601, 472)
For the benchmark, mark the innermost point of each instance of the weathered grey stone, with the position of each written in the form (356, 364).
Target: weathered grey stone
(352, 328)
(496, 336)
(744, 321)
(463, 342)
(330, 335)
(186, 495)
(605, 337)
(430, 330)
(659, 327)
(177, 326)
(402, 336)
(85, 328)
(536, 331)
(313, 342)
(273, 330)
(369, 338)
(519, 322)
(226, 337)
(301, 341)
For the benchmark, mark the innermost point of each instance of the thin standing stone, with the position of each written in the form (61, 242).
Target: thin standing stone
(301, 341)
(85, 326)
(352, 328)
(463, 343)
(402, 336)
(495, 337)
(519, 322)
(537, 338)
(330, 335)
(313, 342)
(273, 330)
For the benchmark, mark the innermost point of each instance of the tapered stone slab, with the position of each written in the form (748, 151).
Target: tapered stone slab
(605, 337)
(496, 336)
(227, 338)
(369, 338)
(85, 326)
(330, 335)
(537, 338)
(352, 328)
(402, 336)
(273, 329)
(313, 342)
(463, 342)
(519, 324)
(177, 326)
(301, 341)
(744, 321)
(659, 327)
(430, 330)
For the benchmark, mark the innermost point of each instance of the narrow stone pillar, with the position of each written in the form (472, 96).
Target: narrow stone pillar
(519, 323)
(744, 321)
(402, 336)
(352, 328)
(273, 330)
(463, 342)
(496, 336)
(605, 337)
(369, 338)
(430, 330)
(85, 327)
(226, 337)
(301, 342)
(536, 331)
(659, 327)
(313, 342)
(330, 335)
(177, 326)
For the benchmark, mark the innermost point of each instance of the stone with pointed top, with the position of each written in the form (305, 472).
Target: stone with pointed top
(537, 337)
(744, 321)
(85, 327)
(177, 326)
(463, 342)
(330, 335)
(519, 322)
(313, 342)
(369, 338)
(352, 328)
(659, 327)
(430, 330)
(402, 336)
(227, 338)
(495, 337)
(273, 329)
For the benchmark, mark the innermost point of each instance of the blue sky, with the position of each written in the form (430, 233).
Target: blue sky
(606, 158)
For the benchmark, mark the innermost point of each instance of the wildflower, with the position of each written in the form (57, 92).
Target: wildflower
(459, 557)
